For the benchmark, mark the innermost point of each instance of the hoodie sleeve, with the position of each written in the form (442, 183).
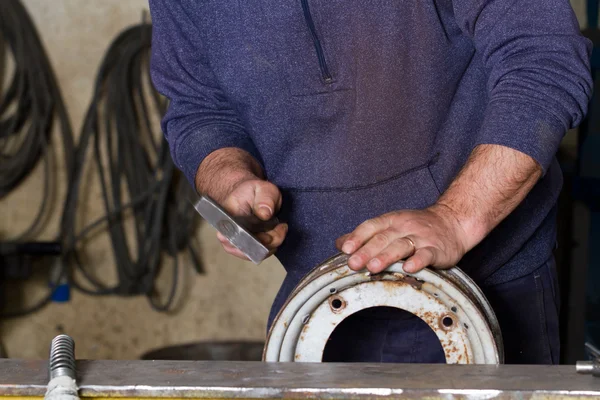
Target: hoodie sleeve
(199, 119)
(538, 67)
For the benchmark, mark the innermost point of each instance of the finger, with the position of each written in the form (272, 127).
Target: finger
(371, 248)
(275, 237)
(227, 244)
(364, 232)
(340, 241)
(239, 202)
(272, 240)
(267, 200)
(221, 238)
(278, 234)
(229, 248)
(422, 258)
(234, 251)
(399, 248)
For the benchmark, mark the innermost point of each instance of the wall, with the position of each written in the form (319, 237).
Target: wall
(230, 301)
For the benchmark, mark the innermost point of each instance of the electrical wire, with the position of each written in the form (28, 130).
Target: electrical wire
(132, 162)
(137, 177)
(29, 106)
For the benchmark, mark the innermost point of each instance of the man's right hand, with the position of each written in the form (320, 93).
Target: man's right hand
(262, 199)
(233, 178)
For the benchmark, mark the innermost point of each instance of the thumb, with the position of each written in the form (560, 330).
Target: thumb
(267, 200)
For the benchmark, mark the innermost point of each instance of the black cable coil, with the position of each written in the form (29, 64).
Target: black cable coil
(136, 173)
(29, 106)
(129, 155)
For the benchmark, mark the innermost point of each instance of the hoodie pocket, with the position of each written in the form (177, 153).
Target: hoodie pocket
(318, 216)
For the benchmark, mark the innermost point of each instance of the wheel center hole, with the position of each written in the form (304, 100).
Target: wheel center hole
(366, 335)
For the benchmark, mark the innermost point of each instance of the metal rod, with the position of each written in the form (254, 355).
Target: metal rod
(593, 350)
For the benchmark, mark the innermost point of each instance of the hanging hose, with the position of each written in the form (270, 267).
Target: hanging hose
(136, 175)
(132, 161)
(29, 106)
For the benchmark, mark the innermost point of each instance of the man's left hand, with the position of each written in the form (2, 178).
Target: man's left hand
(429, 237)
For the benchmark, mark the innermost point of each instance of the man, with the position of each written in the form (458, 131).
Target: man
(419, 130)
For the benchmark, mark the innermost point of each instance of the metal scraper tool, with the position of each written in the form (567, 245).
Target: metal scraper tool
(239, 231)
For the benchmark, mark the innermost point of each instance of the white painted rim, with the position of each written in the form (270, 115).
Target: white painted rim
(304, 324)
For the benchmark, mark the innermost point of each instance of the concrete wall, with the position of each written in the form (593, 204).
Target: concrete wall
(230, 301)
(579, 7)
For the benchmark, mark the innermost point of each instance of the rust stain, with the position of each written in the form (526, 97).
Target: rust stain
(466, 354)
(377, 277)
(391, 286)
(451, 349)
(429, 317)
(413, 282)
(336, 304)
(343, 272)
(451, 321)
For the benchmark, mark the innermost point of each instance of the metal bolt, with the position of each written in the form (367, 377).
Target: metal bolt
(305, 319)
(62, 357)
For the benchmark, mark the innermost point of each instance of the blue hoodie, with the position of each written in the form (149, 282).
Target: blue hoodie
(356, 108)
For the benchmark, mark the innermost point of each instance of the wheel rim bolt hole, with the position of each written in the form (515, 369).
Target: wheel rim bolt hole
(337, 304)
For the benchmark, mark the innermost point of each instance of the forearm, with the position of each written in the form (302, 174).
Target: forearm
(222, 170)
(490, 186)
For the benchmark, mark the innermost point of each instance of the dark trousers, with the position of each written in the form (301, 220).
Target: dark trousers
(527, 310)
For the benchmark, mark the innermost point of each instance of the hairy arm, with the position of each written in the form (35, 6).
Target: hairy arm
(539, 85)
(222, 170)
(490, 186)
(492, 183)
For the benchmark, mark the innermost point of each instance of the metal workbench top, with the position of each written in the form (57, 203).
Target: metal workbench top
(199, 379)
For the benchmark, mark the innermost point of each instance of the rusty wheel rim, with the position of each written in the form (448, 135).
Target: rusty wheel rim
(448, 301)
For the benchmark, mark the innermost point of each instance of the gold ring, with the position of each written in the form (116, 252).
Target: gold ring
(414, 247)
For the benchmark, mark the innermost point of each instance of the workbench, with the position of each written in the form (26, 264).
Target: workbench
(129, 380)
